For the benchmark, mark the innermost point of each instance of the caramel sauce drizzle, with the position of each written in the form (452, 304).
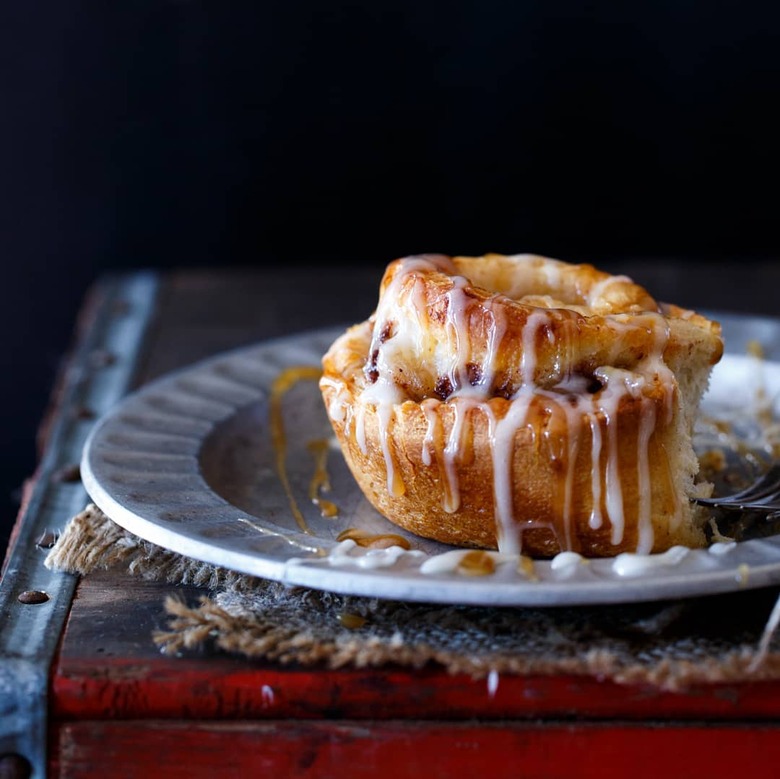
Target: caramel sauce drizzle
(525, 565)
(477, 563)
(285, 381)
(373, 541)
(320, 481)
(351, 621)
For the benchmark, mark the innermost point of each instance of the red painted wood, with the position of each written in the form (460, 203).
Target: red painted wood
(219, 688)
(395, 750)
(120, 709)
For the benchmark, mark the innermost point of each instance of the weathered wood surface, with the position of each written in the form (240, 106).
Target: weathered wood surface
(108, 668)
(119, 707)
(410, 750)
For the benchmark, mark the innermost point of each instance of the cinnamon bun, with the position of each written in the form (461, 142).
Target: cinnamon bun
(524, 404)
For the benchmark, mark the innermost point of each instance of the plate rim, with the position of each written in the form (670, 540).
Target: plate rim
(361, 582)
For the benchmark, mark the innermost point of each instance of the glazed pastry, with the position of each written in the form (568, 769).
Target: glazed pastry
(524, 404)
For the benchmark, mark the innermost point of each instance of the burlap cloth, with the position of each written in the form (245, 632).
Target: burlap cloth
(670, 645)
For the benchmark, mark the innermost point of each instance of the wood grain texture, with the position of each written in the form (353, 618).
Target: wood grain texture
(406, 750)
(120, 708)
(109, 669)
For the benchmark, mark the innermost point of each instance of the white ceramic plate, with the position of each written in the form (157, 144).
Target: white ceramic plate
(188, 462)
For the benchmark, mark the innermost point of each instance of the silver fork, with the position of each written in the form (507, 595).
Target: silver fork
(762, 495)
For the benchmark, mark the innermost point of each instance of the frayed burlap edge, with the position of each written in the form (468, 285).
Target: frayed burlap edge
(253, 636)
(256, 618)
(91, 541)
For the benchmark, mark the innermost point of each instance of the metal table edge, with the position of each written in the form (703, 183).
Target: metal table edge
(114, 325)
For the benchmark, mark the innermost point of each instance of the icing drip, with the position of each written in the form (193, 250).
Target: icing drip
(497, 330)
(433, 431)
(394, 484)
(458, 334)
(596, 519)
(636, 564)
(573, 442)
(613, 489)
(450, 454)
(645, 520)
(384, 395)
(502, 439)
(528, 360)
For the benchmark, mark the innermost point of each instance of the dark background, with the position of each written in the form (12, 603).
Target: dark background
(175, 134)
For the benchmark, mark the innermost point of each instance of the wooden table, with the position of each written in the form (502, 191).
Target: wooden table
(84, 692)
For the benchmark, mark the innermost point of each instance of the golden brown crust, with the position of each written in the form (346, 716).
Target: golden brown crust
(591, 319)
(447, 464)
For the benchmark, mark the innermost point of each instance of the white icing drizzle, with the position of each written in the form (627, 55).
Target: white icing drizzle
(573, 444)
(449, 562)
(457, 333)
(451, 497)
(429, 407)
(720, 548)
(420, 309)
(535, 320)
(597, 290)
(348, 552)
(502, 439)
(385, 396)
(567, 562)
(635, 564)
(552, 274)
(495, 335)
(470, 390)
(360, 429)
(338, 407)
(492, 683)
(596, 519)
(395, 485)
(644, 543)
(614, 489)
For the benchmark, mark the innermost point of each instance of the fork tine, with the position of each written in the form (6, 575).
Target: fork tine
(763, 494)
(769, 503)
(767, 485)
